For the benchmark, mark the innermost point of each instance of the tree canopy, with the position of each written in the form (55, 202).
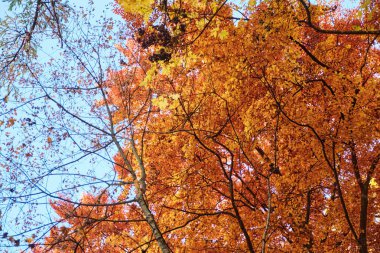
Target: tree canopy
(226, 127)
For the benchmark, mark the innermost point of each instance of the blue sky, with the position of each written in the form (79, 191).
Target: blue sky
(48, 49)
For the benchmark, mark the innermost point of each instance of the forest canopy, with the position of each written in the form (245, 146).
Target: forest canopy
(191, 126)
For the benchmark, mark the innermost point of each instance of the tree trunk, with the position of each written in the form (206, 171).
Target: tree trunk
(152, 223)
(363, 220)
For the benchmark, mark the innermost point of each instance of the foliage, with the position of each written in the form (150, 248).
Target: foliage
(235, 134)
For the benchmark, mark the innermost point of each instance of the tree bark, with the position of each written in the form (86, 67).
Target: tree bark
(363, 220)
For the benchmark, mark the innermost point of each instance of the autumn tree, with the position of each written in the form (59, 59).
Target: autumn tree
(47, 135)
(235, 129)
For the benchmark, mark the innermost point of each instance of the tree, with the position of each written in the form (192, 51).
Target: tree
(44, 145)
(21, 32)
(237, 134)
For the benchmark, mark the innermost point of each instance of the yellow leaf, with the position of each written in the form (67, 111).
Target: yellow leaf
(174, 96)
(142, 7)
(161, 102)
(252, 3)
(214, 32)
(373, 183)
(223, 34)
(200, 24)
(149, 76)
